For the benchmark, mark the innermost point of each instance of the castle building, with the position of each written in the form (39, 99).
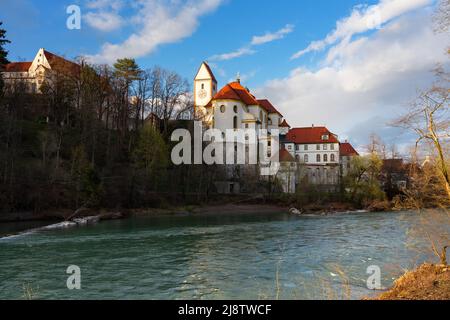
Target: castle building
(32, 74)
(346, 153)
(317, 150)
(314, 153)
(233, 107)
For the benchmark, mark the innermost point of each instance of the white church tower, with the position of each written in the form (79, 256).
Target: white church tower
(205, 88)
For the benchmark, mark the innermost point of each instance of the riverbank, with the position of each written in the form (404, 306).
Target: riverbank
(214, 209)
(428, 282)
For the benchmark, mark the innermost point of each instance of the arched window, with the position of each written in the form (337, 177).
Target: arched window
(306, 158)
(318, 158)
(332, 158)
(297, 157)
(222, 109)
(325, 158)
(235, 122)
(203, 86)
(235, 108)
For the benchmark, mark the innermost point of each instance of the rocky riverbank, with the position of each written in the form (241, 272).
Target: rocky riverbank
(103, 214)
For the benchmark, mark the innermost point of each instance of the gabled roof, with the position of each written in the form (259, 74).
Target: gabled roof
(210, 71)
(346, 149)
(311, 135)
(235, 91)
(285, 156)
(268, 106)
(284, 124)
(18, 67)
(57, 62)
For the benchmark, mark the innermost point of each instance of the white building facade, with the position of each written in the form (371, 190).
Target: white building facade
(33, 74)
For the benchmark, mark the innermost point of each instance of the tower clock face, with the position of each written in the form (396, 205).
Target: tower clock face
(202, 94)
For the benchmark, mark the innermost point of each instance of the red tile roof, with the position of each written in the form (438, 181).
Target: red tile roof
(57, 62)
(268, 106)
(311, 135)
(235, 91)
(284, 124)
(346, 149)
(285, 156)
(18, 67)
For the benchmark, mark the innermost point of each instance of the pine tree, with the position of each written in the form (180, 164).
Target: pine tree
(3, 52)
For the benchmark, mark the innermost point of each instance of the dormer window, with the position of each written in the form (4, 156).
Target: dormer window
(325, 137)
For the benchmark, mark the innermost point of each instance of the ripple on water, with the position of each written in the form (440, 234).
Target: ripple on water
(207, 257)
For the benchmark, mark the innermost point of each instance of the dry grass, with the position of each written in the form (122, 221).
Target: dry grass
(428, 282)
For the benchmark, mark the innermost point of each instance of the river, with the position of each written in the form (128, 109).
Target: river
(251, 256)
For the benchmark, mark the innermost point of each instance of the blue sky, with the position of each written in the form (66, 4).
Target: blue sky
(35, 24)
(358, 62)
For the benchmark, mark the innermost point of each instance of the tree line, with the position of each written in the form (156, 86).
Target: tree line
(86, 139)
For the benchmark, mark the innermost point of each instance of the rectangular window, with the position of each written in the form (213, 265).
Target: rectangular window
(332, 146)
(318, 158)
(318, 147)
(325, 147)
(306, 147)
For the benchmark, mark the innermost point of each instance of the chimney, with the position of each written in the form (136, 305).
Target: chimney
(312, 126)
(238, 77)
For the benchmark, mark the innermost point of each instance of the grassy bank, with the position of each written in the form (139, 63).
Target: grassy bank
(428, 282)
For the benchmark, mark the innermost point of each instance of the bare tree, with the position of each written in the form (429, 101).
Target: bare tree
(429, 118)
(442, 16)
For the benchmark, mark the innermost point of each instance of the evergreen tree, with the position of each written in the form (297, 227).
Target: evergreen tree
(3, 53)
(3, 41)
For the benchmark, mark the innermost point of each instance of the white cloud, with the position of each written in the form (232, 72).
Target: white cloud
(269, 37)
(162, 22)
(232, 55)
(104, 21)
(363, 19)
(363, 81)
(256, 41)
(103, 4)
(105, 15)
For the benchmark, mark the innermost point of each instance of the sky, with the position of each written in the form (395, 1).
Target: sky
(352, 65)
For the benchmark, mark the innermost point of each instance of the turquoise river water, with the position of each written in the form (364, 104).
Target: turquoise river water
(251, 256)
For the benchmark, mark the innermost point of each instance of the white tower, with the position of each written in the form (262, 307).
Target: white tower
(205, 87)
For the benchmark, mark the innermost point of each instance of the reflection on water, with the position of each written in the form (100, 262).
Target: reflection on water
(211, 257)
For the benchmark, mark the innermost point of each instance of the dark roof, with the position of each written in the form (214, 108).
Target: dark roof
(61, 64)
(346, 149)
(284, 124)
(393, 165)
(311, 135)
